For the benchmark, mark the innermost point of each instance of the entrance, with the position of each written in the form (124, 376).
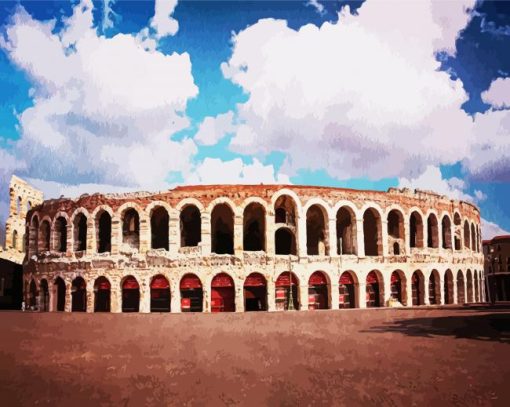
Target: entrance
(191, 294)
(60, 288)
(396, 287)
(102, 290)
(416, 288)
(373, 291)
(222, 294)
(130, 295)
(255, 293)
(346, 291)
(160, 294)
(284, 284)
(318, 291)
(45, 296)
(78, 295)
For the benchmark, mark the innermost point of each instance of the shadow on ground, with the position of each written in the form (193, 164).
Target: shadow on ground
(487, 327)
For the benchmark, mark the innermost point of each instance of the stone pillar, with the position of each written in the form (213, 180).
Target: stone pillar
(440, 234)
(409, 291)
(90, 299)
(303, 297)
(239, 299)
(455, 298)
(271, 301)
(116, 235)
(91, 237)
(301, 236)
(145, 234)
(145, 298)
(206, 235)
(69, 297)
(333, 238)
(115, 297)
(360, 237)
(270, 230)
(207, 299)
(175, 297)
(70, 240)
(361, 294)
(407, 237)
(387, 288)
(426, 299)
(384, 237)
(441, 290)
(238, 236)
(174, 234)
(334, 295)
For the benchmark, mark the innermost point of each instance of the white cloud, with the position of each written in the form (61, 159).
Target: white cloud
(163, 22)
(316, 5)
(491, 229)
(104, 109)
(432, 180)
(108, 14)
(480, 196)
(498, 94)
(447, 16)
(361, 97)
(213, 129)
(216, 171)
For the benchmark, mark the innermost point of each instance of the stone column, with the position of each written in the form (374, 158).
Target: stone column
(207, 299)
(145, 234)
(425, 233)
(206, 234)
(333, 295)
(409, 291)
(238, 235)
(270, 230)
(174, 234)
(70, 240)
(387, 288)
(116, 239)
(90, 299)
(407, 237)
(441, 290)
(271, 301)
(239, 299)
(384, 237)
(175, 297)
(115, 297)
(145, 298)
(426, 299)
(360, 237)
(301, 236)
(455, 298)
(361, 294)
(91, 237)
(333, 238)
(69, 297)
(303, 297)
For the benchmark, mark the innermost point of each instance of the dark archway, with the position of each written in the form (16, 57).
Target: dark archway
(373, 290)
(222, 229)
(395, 231)
(372, 233)
(477, 298)
(223, 293)
(104, 232)
(80, 233)
(160, 294)
(448, 287)
(61, 234)
(396, 289)
(78, 295)
(434, 289)
(254, 228)
(159, 228)
(461, 296)
(458, 232)
(467, 237)
(255, 293)
(285, 210)
(346, 231)
(469, 283)
(417, 288)
(130, 295)
(318, 291)
(131, 228)
(416, 230)
(473, 238)
(191, 226)
(191, 294)
(286, 282)
(316, 232)
(446, 232)
(102, 291)
(44, 235)
(432, 232)
(60, 292)
(347, 292)
(32, 295)
(44, 296)
(285, 241)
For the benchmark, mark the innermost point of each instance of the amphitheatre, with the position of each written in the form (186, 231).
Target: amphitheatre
(220, 248)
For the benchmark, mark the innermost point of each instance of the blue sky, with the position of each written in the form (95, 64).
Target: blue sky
(382, 95)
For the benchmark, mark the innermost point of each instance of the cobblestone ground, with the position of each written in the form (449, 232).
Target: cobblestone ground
(395, 357)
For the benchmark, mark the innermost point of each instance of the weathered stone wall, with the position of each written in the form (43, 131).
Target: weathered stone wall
(144, 263)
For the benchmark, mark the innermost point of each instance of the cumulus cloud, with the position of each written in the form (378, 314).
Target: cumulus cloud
(498, 94)
(216, 171)
(360, 97)
(213, 129)
(163, 22)
(104, 109)
(491, 229)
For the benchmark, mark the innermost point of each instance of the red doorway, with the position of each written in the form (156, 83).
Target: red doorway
(102, 288)
(373, 290)
(346, 297)
(222, 294)
(318, 291)
(160, 294)
(255, 293)
(191, 294)
(284, 284)
(130, 295)
(79, 295)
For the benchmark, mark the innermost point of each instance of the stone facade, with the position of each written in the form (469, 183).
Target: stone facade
(497, 267)
(345, 248)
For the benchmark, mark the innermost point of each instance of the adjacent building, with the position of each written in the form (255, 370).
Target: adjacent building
(497, 267)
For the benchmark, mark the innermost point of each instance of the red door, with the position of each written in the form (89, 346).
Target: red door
(346, 291)
(318, 291)
(222, 294)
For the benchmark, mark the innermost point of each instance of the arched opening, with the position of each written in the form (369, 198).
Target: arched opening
(448, 287)
(432, 232)
(372, 233)
(374, 292)
(104, 232)
(467, 238)
(286, 285)
(32, 295)
(434, 289)
(61, 234)
(477, 298)
(395, 231)
(130, 295)
(446, 231)
(254, 228)
(15, 239)
(416, 230)
(131, 229)
(80, 233)
(346, 287)
(316, 234)
(78, 295)
(102, 291)
(159, 228)
(458, 231)
(346, 231)
(60, 291)
(461, 295)
(160, 294)
(285, 210)
(417, 288)
(396, 287)
(285, 241)
(44, 298)
(34, 235)
(18, 206)
(191, 294)
(255, 293)
(473, 238)
(469, 281)
(222, 229)
(318, 291)
(223, 293)
(191, 226)
(44, 243)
